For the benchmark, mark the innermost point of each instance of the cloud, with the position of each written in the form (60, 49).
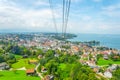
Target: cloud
(14, 17)
(86, 18)
(41, 3)
(111, 10)
(93, 27)
(38, 17)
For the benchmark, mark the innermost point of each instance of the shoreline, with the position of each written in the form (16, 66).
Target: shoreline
(102, 43)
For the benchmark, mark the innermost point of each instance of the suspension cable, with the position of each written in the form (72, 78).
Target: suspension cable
(67, 15)
(63, 18)
(66, 10)
(53, 16)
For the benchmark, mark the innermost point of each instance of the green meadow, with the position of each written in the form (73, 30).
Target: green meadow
(16, 75)
(102, 62)
(22, 63)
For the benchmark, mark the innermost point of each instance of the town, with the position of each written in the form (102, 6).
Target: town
(41, 56)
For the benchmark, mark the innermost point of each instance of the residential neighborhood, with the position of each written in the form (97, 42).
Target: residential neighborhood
(26, 53)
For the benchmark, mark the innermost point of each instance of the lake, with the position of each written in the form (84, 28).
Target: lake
(108, 40)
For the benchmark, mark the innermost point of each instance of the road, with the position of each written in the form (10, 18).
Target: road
(39, 74)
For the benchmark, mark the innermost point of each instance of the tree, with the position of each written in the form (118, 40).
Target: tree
(51, 67)
(82, 76)
(15, 49)
(116, 74)
(1, 51)
(99, 56)
(10, 58)
(49, 53)
(43, 61)
(79, 72)
(26, 51)
(1, 59)
(39, 51)
(92, 77)
(75, 70)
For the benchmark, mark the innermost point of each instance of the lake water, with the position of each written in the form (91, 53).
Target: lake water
(108, 40)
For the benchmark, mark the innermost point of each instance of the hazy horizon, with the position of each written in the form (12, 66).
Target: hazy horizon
(86, 16)
(54, 32)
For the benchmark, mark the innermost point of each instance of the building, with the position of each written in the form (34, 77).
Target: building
(30, 72)
(40, 56)
(108, 74)
(106, 57)
(32, 61)
(43, 69)
(4, 66)
(48, 77)
(25, 56)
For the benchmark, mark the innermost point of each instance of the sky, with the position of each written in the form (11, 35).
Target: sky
(86, 16)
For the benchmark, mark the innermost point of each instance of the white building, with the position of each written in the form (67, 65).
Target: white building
(108, 74)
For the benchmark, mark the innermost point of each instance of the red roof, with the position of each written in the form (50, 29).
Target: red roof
(30, 71)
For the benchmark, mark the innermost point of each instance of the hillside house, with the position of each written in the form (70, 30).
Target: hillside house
(30, 72)
(4, 66)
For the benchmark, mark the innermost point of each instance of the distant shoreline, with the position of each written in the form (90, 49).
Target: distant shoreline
(106, 40)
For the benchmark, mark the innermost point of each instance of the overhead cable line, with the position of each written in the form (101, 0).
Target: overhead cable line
(63, 19)
(65, 15)
(68, 3)
(66, 10)
(53, 16)
(54, 20)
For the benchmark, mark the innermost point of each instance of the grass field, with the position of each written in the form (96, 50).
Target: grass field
(18, 75)
(23, 63)
(18, 57)
(102, 62)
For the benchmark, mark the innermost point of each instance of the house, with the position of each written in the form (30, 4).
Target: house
(40, 56)
(113, 67)
(105, 57)
(91, 63)
(4, 66)
(48, 77)
(56, 55)
(105, 52)
(84, 56)
(96, 69)
(43, 70)
(82, 61)
(116, 57)
(25, 56)
(32, 61)
(30, 72)
(108, 74)
(75, 49)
